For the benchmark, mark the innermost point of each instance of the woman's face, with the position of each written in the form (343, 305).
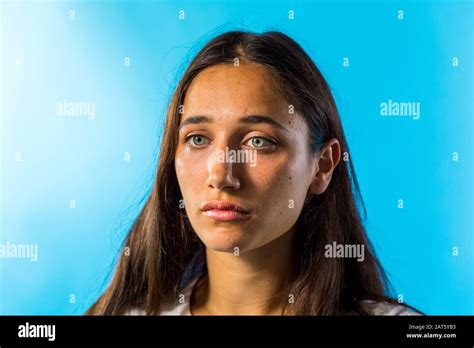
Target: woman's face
(226, 109)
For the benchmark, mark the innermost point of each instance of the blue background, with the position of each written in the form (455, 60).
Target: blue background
(47, 57)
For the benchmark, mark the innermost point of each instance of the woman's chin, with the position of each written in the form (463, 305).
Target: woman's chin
(224, 240)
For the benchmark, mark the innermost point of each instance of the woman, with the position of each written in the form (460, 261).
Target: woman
(253, 209)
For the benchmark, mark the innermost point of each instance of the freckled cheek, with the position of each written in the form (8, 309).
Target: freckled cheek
(278, 188)
(191, 174)
(268, 179)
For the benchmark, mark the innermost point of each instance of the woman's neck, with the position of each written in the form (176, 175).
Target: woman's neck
(251, 283)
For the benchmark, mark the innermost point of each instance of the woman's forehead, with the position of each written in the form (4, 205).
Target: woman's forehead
(234, 91)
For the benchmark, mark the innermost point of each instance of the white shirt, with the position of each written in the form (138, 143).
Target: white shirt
(183, 308)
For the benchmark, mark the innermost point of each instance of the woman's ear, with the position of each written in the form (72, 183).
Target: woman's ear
(327, 161)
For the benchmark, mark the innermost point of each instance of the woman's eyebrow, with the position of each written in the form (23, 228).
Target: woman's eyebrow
(251, 119)
(255, 119)
(195, 120)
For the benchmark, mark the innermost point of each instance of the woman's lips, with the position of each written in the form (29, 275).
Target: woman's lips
(225, 210)
(226, 215)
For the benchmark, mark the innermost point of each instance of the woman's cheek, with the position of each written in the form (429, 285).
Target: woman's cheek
(186, 178)
(270, 170)
(279, 183)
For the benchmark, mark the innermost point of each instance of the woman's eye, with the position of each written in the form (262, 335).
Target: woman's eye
(259, 142)
(256, 142)
(197, 140)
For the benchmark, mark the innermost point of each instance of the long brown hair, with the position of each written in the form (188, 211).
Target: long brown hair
(162, 253)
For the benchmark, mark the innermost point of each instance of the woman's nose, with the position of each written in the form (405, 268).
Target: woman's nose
(220, 171)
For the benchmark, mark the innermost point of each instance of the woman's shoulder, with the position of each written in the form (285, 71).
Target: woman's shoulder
(134, 311)
(372, 307)
(179, 307)
(386, 308)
